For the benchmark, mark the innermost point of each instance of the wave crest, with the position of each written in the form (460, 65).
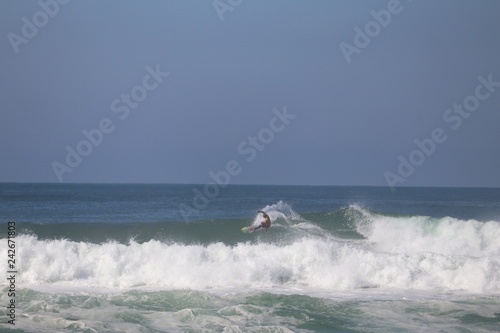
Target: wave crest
(341, 250)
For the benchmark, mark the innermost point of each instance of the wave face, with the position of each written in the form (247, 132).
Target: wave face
(346, 249)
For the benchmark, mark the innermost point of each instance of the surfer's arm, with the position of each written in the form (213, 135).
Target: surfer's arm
(263, 213)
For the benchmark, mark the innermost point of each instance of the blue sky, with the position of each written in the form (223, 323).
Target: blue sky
(353, 116)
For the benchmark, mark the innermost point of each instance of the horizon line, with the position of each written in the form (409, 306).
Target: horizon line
(244, 184)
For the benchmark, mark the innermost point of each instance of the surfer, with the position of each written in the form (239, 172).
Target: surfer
(266, 223)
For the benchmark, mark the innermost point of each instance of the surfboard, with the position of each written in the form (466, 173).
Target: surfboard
(248, 230)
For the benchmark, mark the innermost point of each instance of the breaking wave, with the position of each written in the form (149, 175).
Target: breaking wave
(342, 250)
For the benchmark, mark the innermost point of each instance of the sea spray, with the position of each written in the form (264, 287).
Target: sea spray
(417, 252)
(278, 211)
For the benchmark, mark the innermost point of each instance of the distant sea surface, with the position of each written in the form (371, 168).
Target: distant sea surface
(172, 258)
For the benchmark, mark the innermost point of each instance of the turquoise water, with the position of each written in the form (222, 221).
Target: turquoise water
(124, 258)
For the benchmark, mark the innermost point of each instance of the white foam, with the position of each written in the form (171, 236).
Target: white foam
(279, 210)
(418, 253)
(447, 236)
(307, 263)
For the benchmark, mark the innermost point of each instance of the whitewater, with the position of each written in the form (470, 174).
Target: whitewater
(418, 252)
(349, 269)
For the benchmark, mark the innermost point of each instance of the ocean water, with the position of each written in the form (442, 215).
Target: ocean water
(133, 258)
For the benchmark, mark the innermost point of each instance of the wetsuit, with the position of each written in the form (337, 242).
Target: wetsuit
(266, 223)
